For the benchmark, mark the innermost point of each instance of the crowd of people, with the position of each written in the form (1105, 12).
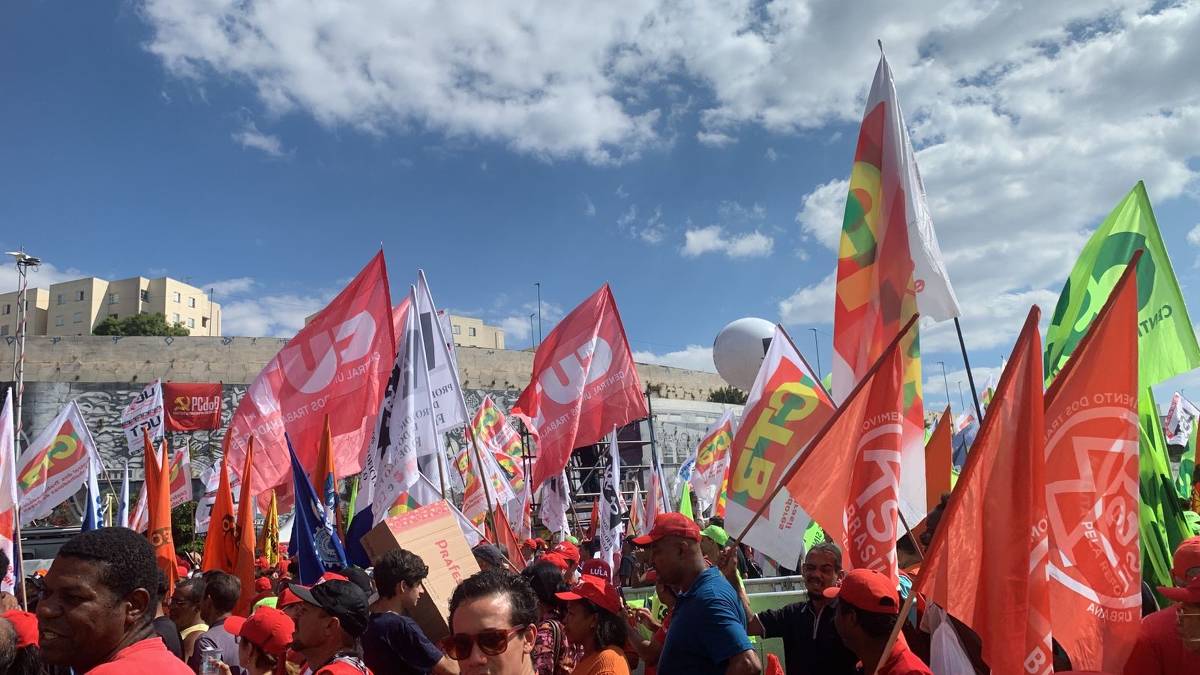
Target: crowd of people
(103, 608)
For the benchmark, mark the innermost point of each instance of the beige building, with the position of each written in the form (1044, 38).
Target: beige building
(77, 307)
(39, 303)
(470, 332)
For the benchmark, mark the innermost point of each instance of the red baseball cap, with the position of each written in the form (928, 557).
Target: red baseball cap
(1189, 593)
(597, 568)
(1187, 560)
(267, 628)
(569, 551)
(869, 591)
(262, 584)
(25, 625)
(596, 590)
(670, 525)
(287, 597)
(557, 560)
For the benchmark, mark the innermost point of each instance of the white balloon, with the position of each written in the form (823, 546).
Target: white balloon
(739, 349)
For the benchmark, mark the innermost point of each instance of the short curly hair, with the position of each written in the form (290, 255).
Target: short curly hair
(126, 560)
(398, 565)
(524, 610)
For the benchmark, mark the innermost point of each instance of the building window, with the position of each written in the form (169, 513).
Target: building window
(457, 329)
(145, 295)
(177, 317)
(191, 323)
(80, 295)
(114, 298)
(61, 299)
(204, 322)
(177, 297)
(113, 316)
(77, 317)
(58, 321)
(191, 302)
(4, 329)
(471, 332)
(7, 310)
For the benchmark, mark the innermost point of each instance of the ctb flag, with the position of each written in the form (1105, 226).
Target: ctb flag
(55, 464)
(583, 384)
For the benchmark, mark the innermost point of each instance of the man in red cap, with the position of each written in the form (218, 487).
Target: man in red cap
(1169, 639)
(868, 607)
(708, 625)
(570, 552)
(263, 639)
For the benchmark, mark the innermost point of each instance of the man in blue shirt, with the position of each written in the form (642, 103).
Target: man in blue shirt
(394, 644)
(707, 635)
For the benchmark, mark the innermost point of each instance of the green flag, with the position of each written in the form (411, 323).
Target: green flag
(1187, 466)
(685, 501)
(1162, 523)
(1166, 341)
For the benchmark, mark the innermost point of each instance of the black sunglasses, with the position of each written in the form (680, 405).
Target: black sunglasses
(492, 642)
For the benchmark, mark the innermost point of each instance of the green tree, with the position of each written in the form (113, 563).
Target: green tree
(140, 324)
(727, 395)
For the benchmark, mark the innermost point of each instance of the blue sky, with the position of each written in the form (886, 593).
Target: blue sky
(694, 158)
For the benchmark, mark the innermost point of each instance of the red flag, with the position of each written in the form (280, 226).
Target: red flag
(191, 406)
(857, 459)
(337, 365)
(938, 459)
(595, 519)
(507, 539)
(583, 384)
(244, 565)
(158, 482)
(984, 565)
(1092, 489)
(220, 545)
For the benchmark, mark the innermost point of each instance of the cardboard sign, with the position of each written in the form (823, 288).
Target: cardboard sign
(432, 532)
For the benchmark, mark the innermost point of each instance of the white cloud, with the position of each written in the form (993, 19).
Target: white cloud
(1193, 236)
(821, 212)
(589, 208)
(227, 287)
(712, 239)
(41, 276)
(771, 155)
(269, 315)
(692, 357)
(515, 321)
(715, 138)
(516, 327)
(811, 304)
(621, 193)
(250, 137)
(628, 217)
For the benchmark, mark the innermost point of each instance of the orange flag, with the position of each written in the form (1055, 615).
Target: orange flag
(506, 539)
(595, 521)
(1092, 489)
(244, 567)
(220, 545)
(324, 478)
(849, 480)
(158, 494)
(938, 458)
(978, 566)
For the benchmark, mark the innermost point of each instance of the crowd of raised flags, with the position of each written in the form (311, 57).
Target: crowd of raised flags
(1063, 505)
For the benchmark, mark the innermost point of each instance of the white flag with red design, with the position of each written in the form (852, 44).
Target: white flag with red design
(8, 488)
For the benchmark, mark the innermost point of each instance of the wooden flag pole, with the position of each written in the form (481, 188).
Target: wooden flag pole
(787, 476)
(970, 378)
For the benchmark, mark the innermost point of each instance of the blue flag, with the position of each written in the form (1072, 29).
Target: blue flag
(314, 539)
(91, 507)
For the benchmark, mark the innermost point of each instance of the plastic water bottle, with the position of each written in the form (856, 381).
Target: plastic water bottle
(209, 658)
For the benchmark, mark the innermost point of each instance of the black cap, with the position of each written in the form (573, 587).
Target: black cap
(359, 577)
(342, 599)
(490, 554)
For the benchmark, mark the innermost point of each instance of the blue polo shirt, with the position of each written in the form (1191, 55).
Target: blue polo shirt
(708, 627)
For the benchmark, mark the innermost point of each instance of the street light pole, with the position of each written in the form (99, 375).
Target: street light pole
(531, 343)
(24, 262)
(817, 346)
(538, 284)
(946, 384)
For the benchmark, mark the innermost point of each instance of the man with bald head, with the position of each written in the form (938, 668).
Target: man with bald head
(707, 635)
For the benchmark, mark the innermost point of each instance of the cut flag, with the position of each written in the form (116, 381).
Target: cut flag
(849, 478)
(246, 549)
(8, 490)
(784, 411)
(158, 477)
(337, 364)
(986, 564)
(1091, 476)
(583, 384)
(220, 546)
(889, 269)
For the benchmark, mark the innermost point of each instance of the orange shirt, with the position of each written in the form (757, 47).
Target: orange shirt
(607, 661)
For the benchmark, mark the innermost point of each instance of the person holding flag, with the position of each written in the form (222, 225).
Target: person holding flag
(1169, 639)
(867, 609)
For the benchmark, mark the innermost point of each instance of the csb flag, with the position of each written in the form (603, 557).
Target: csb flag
(55, 464)
(1091, 475)
(246, 549)
(1166, 340)
(889, 269)
(336, 365)
(986, 564)
(220, 546)
(8, 490)
(848, 480)
(712, 459)
(583, 384)
(317, 547)
(785, 409)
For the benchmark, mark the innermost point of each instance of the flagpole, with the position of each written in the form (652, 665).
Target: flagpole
(795, 467)
(803, 360)
(967, 362)
(655, 464)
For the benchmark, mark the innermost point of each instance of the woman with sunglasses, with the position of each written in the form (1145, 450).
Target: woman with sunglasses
(492, 617)
(553, 651)
(595, 621)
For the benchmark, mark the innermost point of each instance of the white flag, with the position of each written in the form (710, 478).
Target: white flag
(55, 464)
(8, 489)
(1181, 417)
(552, 510)
(658, 498)
(612, 506)
(712, 461)
(441, 363)
(123, 507)
(144, 412)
